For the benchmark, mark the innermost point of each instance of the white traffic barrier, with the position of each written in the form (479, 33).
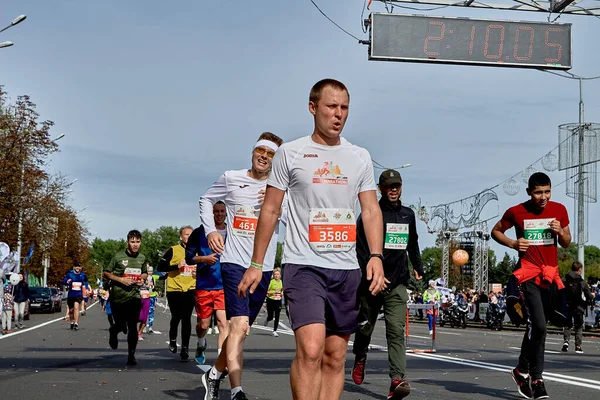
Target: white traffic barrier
(414, 307)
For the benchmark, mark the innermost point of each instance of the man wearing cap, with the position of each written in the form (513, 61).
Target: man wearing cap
(400, 240)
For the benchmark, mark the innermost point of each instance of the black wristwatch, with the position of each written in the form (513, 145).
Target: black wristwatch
(380, 256)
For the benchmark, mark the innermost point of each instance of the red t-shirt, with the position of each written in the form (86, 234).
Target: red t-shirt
(534, 226)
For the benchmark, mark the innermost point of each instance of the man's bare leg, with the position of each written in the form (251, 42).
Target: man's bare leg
(305, 374)
(223, 326)
(332, 367)
(234, 351)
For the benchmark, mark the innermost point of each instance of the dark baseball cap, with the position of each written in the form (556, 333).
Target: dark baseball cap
(390, 177)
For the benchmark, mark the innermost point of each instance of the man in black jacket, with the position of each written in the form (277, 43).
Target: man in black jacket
(400, 242)
(579, 296)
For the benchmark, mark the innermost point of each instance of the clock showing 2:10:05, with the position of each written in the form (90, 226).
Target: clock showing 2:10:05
(418, 38)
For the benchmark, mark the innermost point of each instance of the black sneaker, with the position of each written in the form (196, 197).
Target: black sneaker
(113, 340)
(524, 384)
(131, 360)
(185, 355)
(211, 386)
(578, 350)
(76, 327)
(565, 347)
(72, 325)
(240, 396)
(539, 390)
(173, 346)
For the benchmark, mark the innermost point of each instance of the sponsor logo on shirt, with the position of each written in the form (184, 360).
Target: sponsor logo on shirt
(320, 217)
(330, 174)
(311, 155)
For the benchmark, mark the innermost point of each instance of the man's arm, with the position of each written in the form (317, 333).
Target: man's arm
(507, 222)
(587, 292)
(413, 246)
(564, 236)
(267, 221)
(217, 192)
(373, 223)
(499, 236)
(164, 264)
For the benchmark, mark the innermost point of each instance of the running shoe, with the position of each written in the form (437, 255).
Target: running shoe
(523, 383)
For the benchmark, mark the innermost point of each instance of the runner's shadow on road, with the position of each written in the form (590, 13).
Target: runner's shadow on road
(470, 388)
(350, 387)
(198, 393)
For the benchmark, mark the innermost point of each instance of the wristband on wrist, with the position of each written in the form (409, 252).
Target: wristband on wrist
(256, 265)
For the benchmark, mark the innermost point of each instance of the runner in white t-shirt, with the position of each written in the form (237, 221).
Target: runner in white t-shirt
(323, 176)
(243, 193)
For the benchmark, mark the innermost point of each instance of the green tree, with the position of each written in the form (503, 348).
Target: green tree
(567, 256)
(431, 257)
(500, 273)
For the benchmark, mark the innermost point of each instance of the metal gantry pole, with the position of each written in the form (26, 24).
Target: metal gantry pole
(581, 184)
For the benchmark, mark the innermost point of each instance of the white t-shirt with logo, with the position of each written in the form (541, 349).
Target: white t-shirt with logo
(322, 185)
(240, 194)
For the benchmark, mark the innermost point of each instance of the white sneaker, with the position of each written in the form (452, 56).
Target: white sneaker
(275, 334)
(431, 332)
(209, 331)
(216, 330)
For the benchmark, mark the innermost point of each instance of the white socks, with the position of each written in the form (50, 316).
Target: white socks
(218, 352)
(202, 342)
(214, 374)
(235, 391)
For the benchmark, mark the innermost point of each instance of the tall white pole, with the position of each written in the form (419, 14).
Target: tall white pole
(581, 185)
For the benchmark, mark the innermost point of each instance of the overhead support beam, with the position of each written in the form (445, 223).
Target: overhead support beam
(568, 6)
(559, 5)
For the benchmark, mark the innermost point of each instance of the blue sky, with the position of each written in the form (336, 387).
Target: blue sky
(158, 98)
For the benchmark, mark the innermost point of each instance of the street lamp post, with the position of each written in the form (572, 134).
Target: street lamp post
(20, 223)
(14, 22)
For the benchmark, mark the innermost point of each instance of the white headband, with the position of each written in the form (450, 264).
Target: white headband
(267, 143)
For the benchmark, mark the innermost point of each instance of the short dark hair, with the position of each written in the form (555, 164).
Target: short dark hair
(134, 234)
(220, 202)
(538, 179)
(271, 137)
(317, 89)
(576, 266)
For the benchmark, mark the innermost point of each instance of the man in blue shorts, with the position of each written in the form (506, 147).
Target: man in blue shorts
(242, 191)
(77, 281)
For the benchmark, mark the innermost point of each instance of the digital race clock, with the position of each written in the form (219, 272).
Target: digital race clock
(418, 38)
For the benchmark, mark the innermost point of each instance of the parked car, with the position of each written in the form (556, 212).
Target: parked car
(57, 296)
(42, 299)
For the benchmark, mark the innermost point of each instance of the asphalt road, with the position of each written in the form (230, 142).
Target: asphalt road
(47, 360)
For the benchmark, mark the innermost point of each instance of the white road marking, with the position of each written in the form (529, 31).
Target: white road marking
(566, 379)
(448, 333)
(546, 351)
(38, 326)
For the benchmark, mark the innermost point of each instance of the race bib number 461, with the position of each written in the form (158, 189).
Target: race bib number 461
(331, 229)
(396, 236)
(538, 231)
(245, 220)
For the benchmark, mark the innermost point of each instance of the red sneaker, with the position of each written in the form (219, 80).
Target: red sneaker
(358, 371)
(399, 389)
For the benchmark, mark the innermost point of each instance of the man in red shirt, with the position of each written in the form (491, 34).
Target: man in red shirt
(540, 225)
